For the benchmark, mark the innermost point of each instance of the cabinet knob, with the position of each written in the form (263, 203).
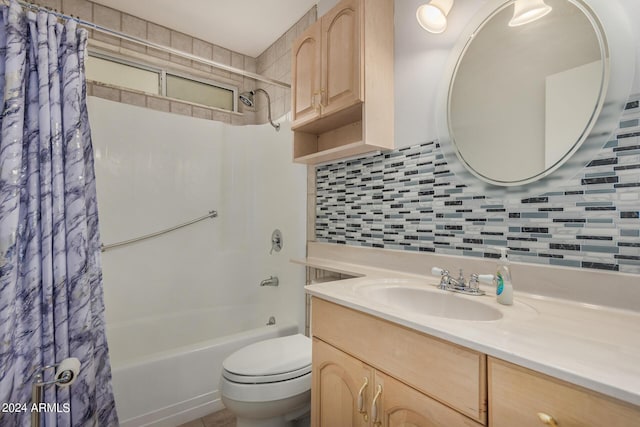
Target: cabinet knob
(374, 407)
(547, 419)
(361, 400)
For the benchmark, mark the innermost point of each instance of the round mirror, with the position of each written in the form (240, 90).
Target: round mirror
(521, 100)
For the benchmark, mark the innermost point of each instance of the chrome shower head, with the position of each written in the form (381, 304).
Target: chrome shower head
(247, 99)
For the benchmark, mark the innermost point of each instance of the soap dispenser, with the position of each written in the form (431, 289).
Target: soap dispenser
(504, 287)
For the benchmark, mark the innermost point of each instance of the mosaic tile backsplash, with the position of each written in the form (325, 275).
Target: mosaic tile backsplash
(407, 199)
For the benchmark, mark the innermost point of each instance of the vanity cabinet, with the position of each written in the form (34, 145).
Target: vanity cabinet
(419, 380)
(518, 395)
(348, 392)
(342, 82)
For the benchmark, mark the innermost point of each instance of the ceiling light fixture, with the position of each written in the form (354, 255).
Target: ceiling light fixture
(433, 15)
(526, 11)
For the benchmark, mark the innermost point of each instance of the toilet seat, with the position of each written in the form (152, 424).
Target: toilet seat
(269, 361)
(265, 392)
(263, 379)
(270, 370)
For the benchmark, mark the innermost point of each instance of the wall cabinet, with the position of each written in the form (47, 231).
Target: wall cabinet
(342, 82)
(375, 373)
(326, 65)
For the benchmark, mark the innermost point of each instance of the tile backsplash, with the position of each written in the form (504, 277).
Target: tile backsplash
(407, 199)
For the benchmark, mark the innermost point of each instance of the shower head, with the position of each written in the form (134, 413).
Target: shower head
(247, 99)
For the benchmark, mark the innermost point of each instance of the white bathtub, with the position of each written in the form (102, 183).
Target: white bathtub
(166, 367)
(166, 371)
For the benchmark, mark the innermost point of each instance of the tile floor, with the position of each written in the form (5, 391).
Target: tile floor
(222, 418)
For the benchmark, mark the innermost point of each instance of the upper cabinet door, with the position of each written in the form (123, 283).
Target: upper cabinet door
(305, 73)
(341, 56)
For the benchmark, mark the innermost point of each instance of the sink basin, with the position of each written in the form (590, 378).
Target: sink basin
(421, 299)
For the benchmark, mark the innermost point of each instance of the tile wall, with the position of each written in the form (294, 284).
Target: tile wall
(407, 199)
(275, 62)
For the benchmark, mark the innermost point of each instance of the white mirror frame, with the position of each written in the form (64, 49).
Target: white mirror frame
(619, 73)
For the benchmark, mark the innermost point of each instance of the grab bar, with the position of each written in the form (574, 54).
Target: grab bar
(103, 247)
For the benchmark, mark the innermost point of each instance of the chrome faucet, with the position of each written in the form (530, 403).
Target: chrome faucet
(448, 283)
(271, 281)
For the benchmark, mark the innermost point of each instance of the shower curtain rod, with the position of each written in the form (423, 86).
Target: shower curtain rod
(103, 247)
(153, 45)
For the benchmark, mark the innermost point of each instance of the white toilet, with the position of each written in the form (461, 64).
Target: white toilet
(268, 383)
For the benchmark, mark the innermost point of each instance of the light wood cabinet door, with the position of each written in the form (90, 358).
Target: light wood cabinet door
(306, 73)
(402, 406)
(338, 380)
(517, 395)
(341, 56)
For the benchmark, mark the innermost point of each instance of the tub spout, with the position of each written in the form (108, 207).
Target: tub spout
(271, 281)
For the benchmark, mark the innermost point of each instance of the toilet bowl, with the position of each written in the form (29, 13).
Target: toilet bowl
(268, 383)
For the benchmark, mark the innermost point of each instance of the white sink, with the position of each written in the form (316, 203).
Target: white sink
(425, 299)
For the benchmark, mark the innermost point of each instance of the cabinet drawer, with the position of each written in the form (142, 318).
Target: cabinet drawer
(517, 395)
(446, 372)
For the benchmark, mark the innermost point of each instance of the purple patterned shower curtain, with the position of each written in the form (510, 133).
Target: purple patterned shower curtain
(51, 298)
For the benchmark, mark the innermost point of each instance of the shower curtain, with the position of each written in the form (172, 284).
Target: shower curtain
(51, 301)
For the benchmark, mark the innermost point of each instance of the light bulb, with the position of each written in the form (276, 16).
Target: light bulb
(526, 11)
(433, 15)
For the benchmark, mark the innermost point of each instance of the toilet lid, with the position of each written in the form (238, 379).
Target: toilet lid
(276, 359)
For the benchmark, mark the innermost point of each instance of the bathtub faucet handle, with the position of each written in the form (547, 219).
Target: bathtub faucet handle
(276, 241)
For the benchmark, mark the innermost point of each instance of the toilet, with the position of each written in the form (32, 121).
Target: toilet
(268, 383)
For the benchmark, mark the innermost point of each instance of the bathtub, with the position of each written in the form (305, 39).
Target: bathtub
(166, 370)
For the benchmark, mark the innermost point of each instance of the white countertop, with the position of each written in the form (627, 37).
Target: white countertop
(592, 346)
